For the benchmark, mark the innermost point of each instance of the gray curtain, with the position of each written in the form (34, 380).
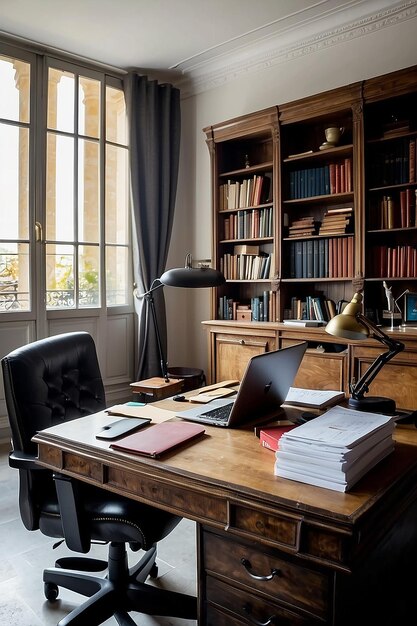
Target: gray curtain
(154, 137)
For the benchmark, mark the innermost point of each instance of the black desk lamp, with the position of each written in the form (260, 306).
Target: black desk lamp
(187, 276)
(351, 324)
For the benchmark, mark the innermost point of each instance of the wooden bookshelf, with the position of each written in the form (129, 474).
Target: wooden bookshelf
(341, 216)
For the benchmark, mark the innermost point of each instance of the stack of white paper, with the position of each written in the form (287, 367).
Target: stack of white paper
(336, 449)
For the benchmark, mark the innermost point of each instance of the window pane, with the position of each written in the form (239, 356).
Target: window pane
(15, 84)
(89, 276)
(116, 195)
(14, 277)
(88, 191)
(116, 129)
(89, 107)
(14, 182)
(60, 277)
(60, 189)
(116, 275)
(60, 100)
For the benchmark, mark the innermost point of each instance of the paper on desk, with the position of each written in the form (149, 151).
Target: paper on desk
(204, 398)
(157, 415)
(340, 427)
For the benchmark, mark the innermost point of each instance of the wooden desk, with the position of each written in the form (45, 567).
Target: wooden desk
(269, 546)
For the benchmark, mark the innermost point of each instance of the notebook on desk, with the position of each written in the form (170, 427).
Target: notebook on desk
(264, 387)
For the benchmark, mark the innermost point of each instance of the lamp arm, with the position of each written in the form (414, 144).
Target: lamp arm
(148, 296)
(394, 347)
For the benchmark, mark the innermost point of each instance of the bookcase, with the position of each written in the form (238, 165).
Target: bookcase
(319, 186)
(313, 200)
(390, 240)
(244, 166)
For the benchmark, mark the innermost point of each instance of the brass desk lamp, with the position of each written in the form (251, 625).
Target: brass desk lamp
(352, 324)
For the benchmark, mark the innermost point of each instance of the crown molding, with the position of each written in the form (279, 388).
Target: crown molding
(283, 46)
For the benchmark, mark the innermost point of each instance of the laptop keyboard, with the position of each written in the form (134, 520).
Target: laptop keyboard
(221, 414)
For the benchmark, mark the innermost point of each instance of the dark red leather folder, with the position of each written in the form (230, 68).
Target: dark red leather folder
(160, 438)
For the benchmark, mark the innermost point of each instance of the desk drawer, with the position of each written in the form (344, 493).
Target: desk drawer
(267, 572)
(249, 608)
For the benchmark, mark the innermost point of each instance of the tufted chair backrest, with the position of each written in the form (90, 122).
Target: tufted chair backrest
(47, 382)
(51, 381)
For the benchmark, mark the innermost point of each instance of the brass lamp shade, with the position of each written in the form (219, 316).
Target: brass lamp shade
(346, 324)
(352, 324)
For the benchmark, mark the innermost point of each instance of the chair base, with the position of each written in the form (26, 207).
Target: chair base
(122, 591)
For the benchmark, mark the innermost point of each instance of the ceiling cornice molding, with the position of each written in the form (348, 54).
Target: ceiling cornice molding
(262, 55)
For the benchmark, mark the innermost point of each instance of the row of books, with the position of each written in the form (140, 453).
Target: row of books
(322, 258)
(395, 164)
(249, 192)
(261, 309)
(398, 211)
(394, 262)
(311, 308)
(250, 224)
(323, 180)
(246, 266)
(334, 222)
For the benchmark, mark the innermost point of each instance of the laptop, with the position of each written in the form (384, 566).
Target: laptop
(264, 387)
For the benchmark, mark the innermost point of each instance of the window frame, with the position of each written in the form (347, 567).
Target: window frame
(40, 63)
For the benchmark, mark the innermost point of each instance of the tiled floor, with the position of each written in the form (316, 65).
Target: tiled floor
(25, 554)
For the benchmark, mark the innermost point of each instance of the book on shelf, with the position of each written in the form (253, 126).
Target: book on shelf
(330, 257)
(246, 249)
(335, 449)
(323, 180)
(262, 308)
(313, 398)
(336, 222)
(304, 226)
(390, 165)
(241, 194)
(304, 323)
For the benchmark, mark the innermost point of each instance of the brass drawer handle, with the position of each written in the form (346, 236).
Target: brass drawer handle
(247, 565)
(273, 620)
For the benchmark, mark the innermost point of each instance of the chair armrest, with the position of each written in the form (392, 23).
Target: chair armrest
(22, 460)
(76, 533)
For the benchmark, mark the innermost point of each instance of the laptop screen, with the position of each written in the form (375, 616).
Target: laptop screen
(264, 387)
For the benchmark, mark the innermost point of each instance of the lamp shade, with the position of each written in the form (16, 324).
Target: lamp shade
(192, 277)
(346, 324)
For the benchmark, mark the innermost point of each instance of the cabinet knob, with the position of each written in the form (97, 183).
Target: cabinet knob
(242, 342)
(248, 567)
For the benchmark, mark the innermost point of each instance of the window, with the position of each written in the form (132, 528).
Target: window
(14, 184)
(78, 197)
(83, 157)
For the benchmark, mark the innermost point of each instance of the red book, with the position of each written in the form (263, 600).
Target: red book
(269, 437)
(332, 175)
(350, 257)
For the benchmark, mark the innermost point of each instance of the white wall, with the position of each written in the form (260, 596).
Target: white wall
(385, 50)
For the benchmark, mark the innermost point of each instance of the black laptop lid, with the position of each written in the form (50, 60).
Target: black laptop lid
(265, 384)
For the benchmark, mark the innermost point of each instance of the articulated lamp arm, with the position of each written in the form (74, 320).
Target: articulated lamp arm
(358, 389)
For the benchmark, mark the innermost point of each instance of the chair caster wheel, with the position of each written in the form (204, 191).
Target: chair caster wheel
(154, 571)
(51, 591)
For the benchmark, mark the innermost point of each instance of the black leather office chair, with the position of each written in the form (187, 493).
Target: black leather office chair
(48, 382)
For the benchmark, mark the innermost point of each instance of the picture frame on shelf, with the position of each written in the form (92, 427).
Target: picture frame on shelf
(410, 309)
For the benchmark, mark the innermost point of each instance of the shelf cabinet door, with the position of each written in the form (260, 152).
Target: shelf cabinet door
(321, 370)
(233, 351)
(397, 380)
